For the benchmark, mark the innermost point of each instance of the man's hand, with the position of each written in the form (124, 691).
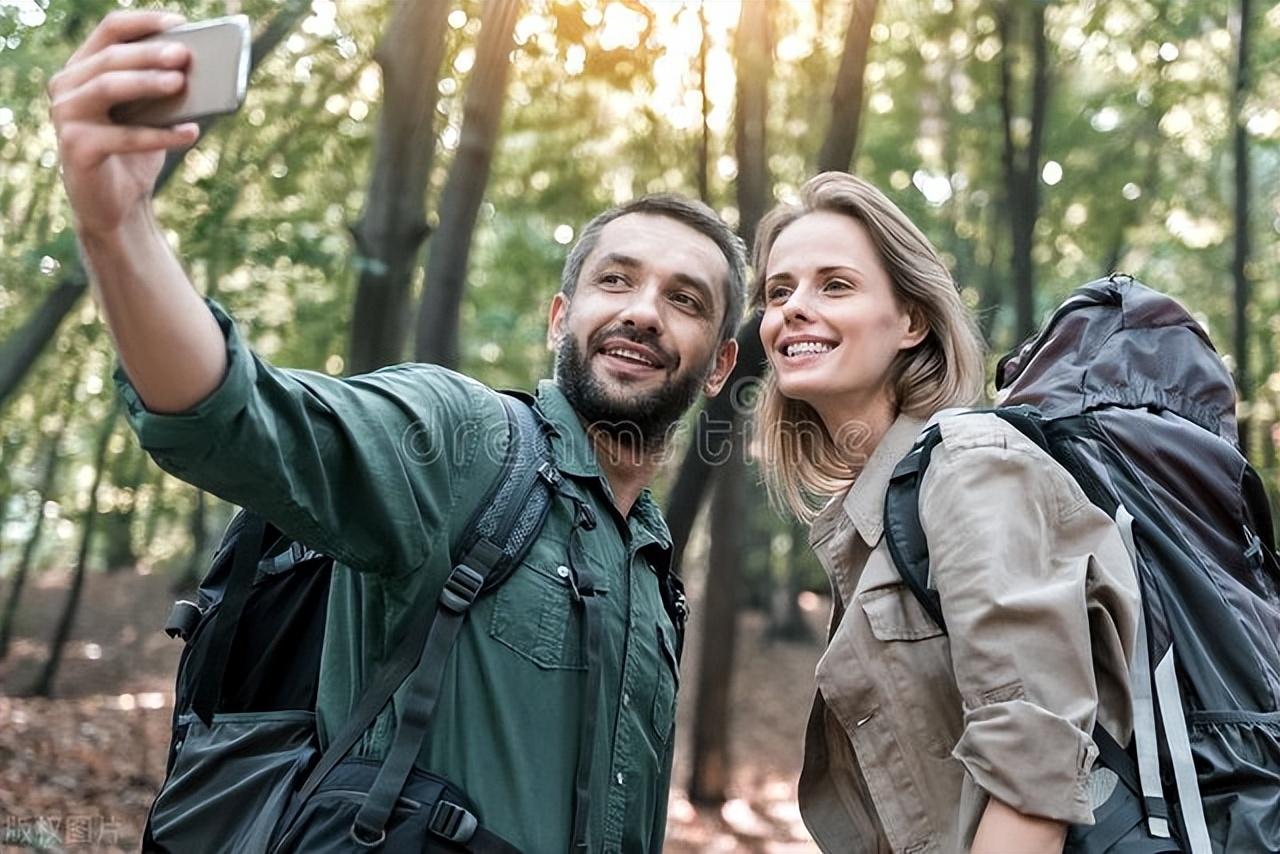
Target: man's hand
(109, 169)
(169, 343)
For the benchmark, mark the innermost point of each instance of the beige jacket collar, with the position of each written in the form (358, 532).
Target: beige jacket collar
(863, 503)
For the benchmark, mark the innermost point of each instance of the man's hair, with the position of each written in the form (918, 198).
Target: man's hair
(690, 212)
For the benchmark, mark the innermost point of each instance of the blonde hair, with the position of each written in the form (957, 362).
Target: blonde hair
(804, 465)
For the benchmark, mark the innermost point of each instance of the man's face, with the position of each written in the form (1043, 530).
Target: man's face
(640, 337)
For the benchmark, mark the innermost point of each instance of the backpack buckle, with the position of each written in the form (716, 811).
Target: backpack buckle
(452, 822)
(461, 589)
(357, 836)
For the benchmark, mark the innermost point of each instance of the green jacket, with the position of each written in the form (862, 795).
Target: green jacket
(381, 471)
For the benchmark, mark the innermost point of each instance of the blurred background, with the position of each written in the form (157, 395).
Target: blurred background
(404, 181)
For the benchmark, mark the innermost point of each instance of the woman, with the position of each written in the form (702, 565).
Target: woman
(918, 740)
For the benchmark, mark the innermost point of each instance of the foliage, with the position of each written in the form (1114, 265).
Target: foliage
(603, 104)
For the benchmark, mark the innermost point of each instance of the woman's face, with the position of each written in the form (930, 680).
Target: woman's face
(831, 325)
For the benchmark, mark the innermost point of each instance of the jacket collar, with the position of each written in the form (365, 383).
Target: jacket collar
(863, 502)
(576, 456)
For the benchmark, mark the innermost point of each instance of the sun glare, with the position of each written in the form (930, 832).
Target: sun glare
(677, 37)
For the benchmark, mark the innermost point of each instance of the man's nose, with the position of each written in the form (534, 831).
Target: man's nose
(642, 309)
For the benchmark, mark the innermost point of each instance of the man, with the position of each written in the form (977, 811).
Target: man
(381, 470)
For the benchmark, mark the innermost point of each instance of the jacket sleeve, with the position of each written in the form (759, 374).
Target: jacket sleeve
(1015, 550)
(366, 469)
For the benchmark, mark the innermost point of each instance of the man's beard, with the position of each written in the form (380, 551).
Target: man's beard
(640, 420)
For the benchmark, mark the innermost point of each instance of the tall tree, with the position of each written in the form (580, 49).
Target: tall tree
(709, 777)
(1240, 245)
(846, 97)
(20, 350)
(47, 477)
(713, 430)
(446, 269)
(393, 225)
(43, 686)
(704, 137)
(1022, 161)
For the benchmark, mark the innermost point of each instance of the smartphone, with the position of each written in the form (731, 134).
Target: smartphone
(217, 75)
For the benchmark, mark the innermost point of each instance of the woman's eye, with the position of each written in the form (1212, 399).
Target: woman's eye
(838, 285)
(776, 294)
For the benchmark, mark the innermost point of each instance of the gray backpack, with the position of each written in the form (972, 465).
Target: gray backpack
(1124, 389)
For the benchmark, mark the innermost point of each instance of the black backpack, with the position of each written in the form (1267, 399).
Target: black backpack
(1124, 389)
(245, 771)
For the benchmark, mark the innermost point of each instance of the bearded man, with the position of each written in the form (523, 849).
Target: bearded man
(381, 471)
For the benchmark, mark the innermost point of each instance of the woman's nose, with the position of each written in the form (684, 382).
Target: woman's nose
(794, 308)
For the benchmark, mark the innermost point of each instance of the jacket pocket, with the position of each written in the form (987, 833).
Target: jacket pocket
(534, 616)
(894, 614)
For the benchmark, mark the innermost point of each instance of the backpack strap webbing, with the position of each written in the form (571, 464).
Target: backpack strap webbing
(496, 538)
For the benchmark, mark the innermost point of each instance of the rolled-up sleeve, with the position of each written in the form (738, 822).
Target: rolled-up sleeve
(365, 469)
(1014, 593)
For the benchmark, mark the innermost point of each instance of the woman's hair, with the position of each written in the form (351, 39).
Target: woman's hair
(804, 464)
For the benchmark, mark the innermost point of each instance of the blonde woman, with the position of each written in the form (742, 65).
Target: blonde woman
(920, 741)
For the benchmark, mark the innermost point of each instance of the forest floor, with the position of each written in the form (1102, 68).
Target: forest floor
(77, 772)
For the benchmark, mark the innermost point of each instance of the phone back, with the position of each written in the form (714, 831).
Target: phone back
(217, 76)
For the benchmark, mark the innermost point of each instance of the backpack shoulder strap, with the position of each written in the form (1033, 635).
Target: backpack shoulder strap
(492, 544)
(903, 531)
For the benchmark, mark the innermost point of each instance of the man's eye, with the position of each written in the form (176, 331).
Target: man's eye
(687, 301)
(612, 279)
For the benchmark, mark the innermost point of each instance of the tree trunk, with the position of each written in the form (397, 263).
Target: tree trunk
(709, 775)
(19, 352)
(44, 684)
(789, 623)
(393, 226)
(846, 98)
(118, 550)
(710, 768)
(197, 561)
(1240, 245)
(716, 421)
(704, 138)
(1022, 162)
(47, 479)
(713, 439)
(446, 269)
(754, 50)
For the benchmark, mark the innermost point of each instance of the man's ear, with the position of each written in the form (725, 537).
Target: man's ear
(555, 319)
(726, 358)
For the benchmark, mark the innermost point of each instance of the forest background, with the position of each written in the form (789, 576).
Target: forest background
(404, 181)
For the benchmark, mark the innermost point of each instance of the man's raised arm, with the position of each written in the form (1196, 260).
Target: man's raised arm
(169, 343)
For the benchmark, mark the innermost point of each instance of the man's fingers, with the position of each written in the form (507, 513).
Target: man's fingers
(119, 57)
(125, 27)
(101, 93)
(86, 145)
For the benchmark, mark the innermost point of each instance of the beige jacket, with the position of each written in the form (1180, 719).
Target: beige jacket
(912, 730)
